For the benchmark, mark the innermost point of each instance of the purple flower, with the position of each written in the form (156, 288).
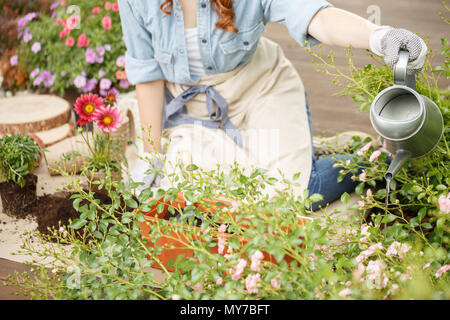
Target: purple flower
(34, 73)
(14, 60)
(63, 73)
(27, 36)
(101, 73)
(83, 73)
(36, 47)
(45, 78)
(80, 81)
(120, 62)
(124, 84)
(108, 47)
(90, 85)
(23, 21)
(37, 81)
(54, 5)
(90, 55)
(105, 84)
(99, 59)
(101, 50)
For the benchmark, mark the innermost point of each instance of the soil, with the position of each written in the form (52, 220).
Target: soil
(18, 201)
(55, 210)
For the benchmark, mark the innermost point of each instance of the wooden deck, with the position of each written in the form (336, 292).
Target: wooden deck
(331, 114)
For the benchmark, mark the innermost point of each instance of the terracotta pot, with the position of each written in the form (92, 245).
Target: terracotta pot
(173, 244)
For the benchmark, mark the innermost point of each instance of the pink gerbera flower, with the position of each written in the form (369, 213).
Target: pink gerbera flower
(86, 105)
(108, 118)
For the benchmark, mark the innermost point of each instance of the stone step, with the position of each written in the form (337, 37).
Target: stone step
(33, 113)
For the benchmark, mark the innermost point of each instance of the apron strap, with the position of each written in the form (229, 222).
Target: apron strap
(175, 111)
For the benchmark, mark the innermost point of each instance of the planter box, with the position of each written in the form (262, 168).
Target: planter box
(173, 244)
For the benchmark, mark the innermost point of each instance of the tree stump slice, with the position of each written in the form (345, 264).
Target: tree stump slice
(55, 135)
(33, 113)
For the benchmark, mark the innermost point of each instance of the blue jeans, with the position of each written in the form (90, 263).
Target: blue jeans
(323, 179)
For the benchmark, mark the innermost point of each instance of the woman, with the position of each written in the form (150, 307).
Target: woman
(205, 62)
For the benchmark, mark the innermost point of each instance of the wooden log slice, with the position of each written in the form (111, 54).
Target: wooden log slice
(52, 136)
(33, 113)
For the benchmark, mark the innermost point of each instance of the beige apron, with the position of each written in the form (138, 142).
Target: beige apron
(266, 99)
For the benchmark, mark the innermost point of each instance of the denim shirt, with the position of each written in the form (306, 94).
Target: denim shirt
(156, 47)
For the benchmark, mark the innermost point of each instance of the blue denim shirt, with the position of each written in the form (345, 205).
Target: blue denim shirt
(155, 43)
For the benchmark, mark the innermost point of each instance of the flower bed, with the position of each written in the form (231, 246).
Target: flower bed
(75, 47)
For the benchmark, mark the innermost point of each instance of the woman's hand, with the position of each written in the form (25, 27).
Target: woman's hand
(147, 169)
(387, 42)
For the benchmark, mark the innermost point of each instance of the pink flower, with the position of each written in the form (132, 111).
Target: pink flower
(108, 118)
(86, 106)
(397, 248)
(72, 22)
(442, 270)
(345, 293)
(365, 230)
(82, 41)
(222, 228)
(374, 156)
(237, 272)
(120, 61)
(256, 260)
(221, 245)
(219, 280)
(361, 203)
(369, 192)
(275, 283)
(96, 10)
(107, 22)
(58, 22)
(107, 6)
(198, 287)
(444, 203)
(362, 176)
(364, 149)
(70, 42)
(426, 265)
(251, 283)
(176, 297)
(64, 33)
(115, 7)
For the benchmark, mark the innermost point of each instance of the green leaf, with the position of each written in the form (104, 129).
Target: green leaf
(78, 224)
(191, 167)
(358, 98)
(345, 197)
(145, 195)
(438, 69)
(316, 197)
(131, 203)
(389, 218)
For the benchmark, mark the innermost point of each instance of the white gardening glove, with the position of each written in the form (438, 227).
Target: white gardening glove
(386, 41)
(147, 170)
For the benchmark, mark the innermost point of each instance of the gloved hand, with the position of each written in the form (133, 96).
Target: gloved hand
(146, 169)
(387, 42)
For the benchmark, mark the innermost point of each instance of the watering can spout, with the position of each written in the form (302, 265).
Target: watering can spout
(400, 158)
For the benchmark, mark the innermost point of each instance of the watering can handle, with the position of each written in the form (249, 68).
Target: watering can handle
(401, 76)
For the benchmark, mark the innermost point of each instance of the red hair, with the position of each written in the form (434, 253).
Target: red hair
(223, 7)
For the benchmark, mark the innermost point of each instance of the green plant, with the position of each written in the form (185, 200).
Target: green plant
(77, 47)
(19, 156)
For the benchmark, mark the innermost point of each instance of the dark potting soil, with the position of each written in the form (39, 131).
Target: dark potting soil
(18, 201)
(55, 210)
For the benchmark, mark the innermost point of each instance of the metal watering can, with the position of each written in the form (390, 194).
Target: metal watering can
(410, 125)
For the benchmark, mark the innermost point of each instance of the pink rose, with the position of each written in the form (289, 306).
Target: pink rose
(108, 5)
(107, 22)
(115, 7)
(375, 155)
(70, 42)
(222, 228)
(82, 41)
(444, 203)
(442, 270)
(96, 10)
(275, 283)
(362, 176)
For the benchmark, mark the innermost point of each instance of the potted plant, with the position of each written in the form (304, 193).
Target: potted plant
(20, 155)
(105, 150)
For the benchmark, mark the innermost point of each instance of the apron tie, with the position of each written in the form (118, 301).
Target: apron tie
(175, 111)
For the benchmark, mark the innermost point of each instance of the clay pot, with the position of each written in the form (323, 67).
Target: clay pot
(173, 243)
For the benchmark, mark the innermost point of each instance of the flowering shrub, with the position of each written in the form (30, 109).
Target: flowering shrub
(76, 47)
(262, 252)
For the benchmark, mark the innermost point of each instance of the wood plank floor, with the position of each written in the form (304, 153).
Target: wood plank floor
(331, 114)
